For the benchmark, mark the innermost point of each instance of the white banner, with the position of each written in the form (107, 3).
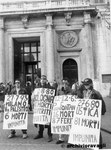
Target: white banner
(63, 113)
(43, 102)
(85, 129)
(15, 112)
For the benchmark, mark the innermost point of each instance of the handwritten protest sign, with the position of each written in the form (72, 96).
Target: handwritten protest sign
(85, 128)
(43, 100)
(62, 114)
(15, 112)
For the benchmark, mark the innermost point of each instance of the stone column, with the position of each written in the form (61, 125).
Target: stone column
(49, 48)
(2, 53)
(88, 48)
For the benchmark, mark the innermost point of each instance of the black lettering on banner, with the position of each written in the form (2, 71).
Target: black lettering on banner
(81, 102)
(66, 98)
(52, 91)
(65, 128)
(9, 97)
(17, 123)
(65, 120)
(77, 121)
(90, 123)
(18, 116)
(73, 98)
(41, 118)
(51, 99)
(86, 138)
(87, 111)
(47, 91)
(6, 116)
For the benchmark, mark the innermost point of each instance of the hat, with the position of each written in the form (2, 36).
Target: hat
(87, 81)
(17, 81)
(65, 81)
(43, 77)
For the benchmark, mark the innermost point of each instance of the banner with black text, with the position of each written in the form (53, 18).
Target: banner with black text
(43, 102)
(85, 129)
(63, 113)
(15, 112)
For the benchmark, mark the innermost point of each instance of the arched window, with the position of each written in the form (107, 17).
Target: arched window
(70, 70)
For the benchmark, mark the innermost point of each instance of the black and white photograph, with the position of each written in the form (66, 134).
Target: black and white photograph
(55, 74)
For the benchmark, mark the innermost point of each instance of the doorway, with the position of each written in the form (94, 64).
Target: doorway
(31, 72)
(70, 70)
(27, 60)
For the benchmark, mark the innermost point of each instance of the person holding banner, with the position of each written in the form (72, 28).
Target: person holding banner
(65, 90)
(43, 84)
(2, 96)
(90, 93)
(18, 90)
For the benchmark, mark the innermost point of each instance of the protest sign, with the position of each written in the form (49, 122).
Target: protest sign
(43, 101)
(15, 112)
(85, 129)
(62, 114)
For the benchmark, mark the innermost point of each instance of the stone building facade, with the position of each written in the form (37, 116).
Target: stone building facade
(57, 38)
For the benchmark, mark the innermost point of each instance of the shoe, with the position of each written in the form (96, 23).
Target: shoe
(11, 136)
(50, 139)
(70, 146)
(38, 136)
(59, 142)
(25, 136)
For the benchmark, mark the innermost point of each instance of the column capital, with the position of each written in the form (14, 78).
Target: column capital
(49, 21)
(1, 23)
(87, 18)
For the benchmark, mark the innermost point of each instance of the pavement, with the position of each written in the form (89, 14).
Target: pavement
(18, 143)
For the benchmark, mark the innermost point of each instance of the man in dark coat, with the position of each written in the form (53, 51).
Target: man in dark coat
(18, 90)
(44, 84)
(89, 92)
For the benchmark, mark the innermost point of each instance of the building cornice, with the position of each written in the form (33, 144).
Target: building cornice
(18, 8)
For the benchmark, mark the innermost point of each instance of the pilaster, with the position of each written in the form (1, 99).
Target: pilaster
(2, 53)
(88, 48)
(49, 48)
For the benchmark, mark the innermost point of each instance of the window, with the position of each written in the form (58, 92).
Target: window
(30, 52)
(99, 1)
(106, 78)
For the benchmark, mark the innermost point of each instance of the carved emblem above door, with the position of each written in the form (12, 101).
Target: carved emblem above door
(68, 39)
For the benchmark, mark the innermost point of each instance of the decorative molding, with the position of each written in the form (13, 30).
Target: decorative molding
(49, 21)
(68, 17)
(1, 23)
(25, 20)
(87, 18)
(70, 50)
(68, 39)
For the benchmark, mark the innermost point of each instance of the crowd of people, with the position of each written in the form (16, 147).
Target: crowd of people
(84, 90)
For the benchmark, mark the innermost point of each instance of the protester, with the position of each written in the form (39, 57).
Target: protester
(65, 90)
(18, 90)
(29, 92)
(43, 84)
(90, 93)
(54, 85)
(75, 87)
(2, 96)
(8, 87)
